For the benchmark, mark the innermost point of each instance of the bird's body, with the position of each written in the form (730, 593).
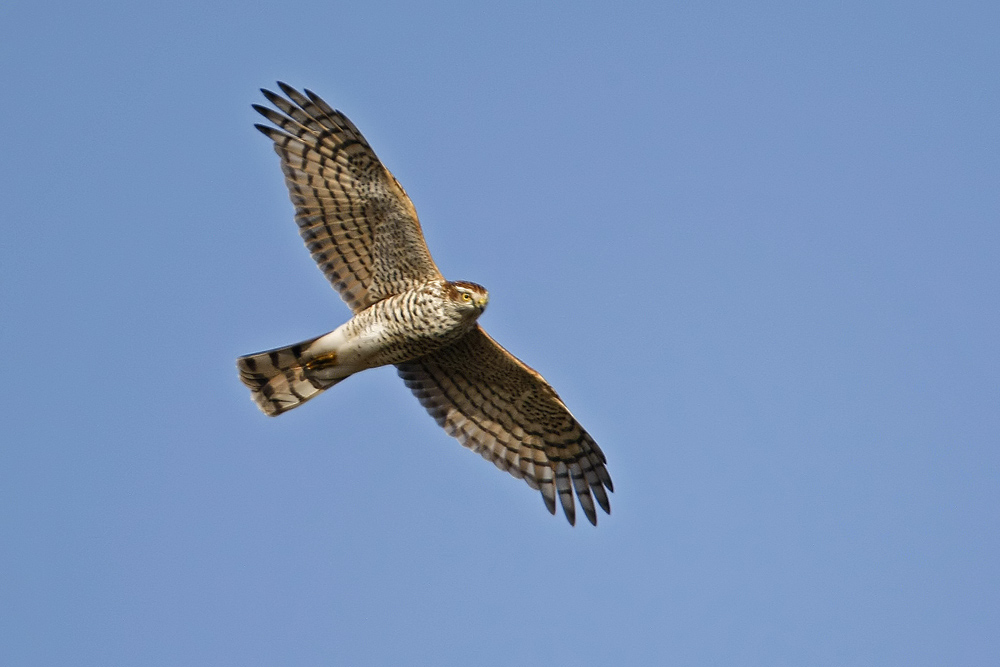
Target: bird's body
(363, 231)
(396, 329)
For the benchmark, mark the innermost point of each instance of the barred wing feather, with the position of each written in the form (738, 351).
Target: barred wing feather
(355, 218)
(496, 405)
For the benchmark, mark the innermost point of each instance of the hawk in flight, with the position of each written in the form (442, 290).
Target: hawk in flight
(362, 230)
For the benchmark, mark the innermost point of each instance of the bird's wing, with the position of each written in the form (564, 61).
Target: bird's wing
(353, 215)
(498, 406)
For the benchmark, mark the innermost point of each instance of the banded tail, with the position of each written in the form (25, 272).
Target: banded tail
(287, 377)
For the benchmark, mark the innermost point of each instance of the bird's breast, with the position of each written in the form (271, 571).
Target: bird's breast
(403, 327)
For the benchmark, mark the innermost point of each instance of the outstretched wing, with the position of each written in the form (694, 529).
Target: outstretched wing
(497, 406)
(354, 216)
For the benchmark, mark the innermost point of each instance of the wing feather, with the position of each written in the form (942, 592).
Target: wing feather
(356, 220)
(497, 406)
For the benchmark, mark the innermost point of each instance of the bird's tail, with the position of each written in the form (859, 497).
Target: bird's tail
(282, 379)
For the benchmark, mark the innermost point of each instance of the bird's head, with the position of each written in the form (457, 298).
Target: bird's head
(470, 298)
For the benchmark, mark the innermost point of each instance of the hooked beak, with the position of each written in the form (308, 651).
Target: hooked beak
(482, 301)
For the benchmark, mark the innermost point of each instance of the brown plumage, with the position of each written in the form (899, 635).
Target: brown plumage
(362, 230)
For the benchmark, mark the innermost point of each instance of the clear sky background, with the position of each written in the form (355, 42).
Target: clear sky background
(754, 246)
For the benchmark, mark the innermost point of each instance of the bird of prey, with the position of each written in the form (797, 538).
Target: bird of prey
(362, 231)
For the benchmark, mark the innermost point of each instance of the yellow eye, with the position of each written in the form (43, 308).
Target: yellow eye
(466, 296)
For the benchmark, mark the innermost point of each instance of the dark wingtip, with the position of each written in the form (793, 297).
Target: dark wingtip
(550, 505)
(602, 499)
(569, 509)
(273, 98)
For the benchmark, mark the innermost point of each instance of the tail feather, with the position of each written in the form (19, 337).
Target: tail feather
(280, 379)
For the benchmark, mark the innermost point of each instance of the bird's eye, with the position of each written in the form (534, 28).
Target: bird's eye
(466, 296)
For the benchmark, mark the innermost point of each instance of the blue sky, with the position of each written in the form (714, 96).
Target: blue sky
(753, 246)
